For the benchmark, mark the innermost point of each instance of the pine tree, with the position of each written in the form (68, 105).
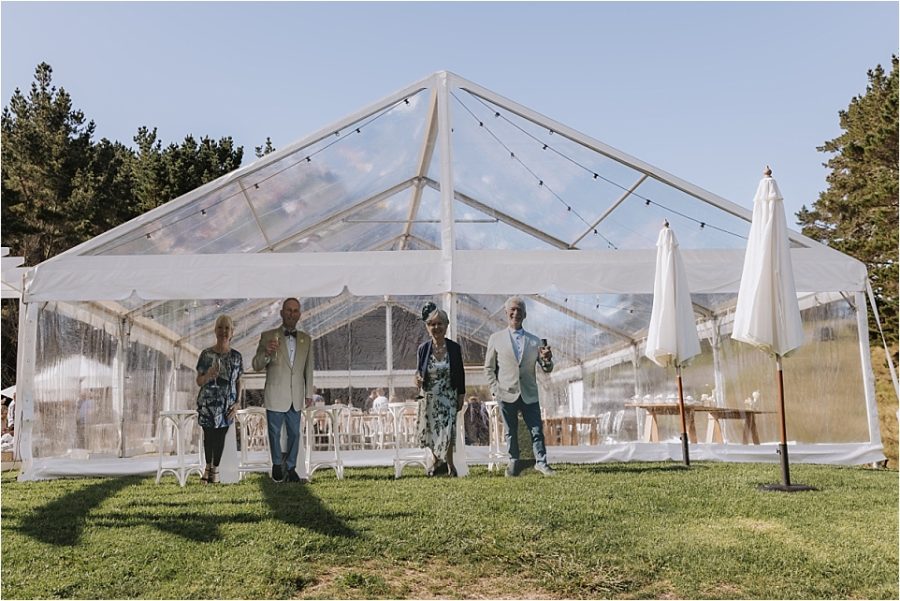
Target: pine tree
(46, 156)
(268, 148)
(858, 213)
(60, 188)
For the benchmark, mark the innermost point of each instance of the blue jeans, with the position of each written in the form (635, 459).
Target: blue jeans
(290, 419)
(531, 414)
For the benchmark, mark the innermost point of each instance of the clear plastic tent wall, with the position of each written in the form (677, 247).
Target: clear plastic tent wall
(445, 192)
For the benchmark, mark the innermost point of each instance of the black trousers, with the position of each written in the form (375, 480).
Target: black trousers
(214, 444)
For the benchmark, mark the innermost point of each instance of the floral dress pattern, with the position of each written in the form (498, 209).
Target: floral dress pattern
(437, 413)
(217, 396)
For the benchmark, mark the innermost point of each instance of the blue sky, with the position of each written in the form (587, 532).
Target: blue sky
(708, 91)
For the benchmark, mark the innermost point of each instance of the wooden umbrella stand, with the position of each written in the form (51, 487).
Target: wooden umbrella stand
(785, 485)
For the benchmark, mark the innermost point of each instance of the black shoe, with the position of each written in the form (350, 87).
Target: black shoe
(277, 473)
(293, 477)
(440, 469)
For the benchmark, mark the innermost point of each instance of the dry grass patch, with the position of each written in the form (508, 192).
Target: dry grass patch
(431, 579)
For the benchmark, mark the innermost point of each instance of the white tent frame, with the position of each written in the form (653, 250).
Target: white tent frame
(99, 281)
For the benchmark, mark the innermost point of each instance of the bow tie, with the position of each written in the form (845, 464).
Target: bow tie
(291, 333)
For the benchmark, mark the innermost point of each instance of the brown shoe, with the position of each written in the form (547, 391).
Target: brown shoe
(204, 477)
(214, 475)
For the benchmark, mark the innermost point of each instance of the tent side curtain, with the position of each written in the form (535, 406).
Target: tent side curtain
(275, 275)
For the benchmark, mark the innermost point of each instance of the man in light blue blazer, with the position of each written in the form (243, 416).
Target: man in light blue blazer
(510, 366)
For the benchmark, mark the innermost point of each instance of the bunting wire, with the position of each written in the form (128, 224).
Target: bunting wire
(547, 146)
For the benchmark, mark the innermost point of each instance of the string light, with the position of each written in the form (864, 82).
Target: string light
(307, 159)
(529, 170)
(497, 114)
(596, 175)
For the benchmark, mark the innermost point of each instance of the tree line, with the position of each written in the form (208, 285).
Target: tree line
(60, 187)
(857, 214)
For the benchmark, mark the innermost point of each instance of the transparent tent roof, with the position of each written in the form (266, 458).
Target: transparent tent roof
(375, 182)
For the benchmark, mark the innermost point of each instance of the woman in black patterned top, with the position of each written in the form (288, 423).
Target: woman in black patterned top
(219, 370)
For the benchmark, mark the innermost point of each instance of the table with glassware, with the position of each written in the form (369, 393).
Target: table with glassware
(714, 426)
(749, 432)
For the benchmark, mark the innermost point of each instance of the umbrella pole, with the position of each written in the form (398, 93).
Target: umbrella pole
(786, 485)
(783, 448)
(684, 437)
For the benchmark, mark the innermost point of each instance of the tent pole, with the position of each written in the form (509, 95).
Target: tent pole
(389, 343)
(718, 377)
(118, 390)
(25, 398)
(684, 437)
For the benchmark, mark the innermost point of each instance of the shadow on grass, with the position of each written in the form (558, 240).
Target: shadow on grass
(61, 521)
(636, 468)
(296, 505)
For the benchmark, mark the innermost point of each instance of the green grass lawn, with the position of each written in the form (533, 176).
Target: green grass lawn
(636, 530)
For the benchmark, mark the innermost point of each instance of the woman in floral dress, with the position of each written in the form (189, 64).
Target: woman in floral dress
(442, 381)
(219, 370)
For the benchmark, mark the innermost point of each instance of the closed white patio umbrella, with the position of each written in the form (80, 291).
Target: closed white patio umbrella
(767, 315)
(672, 337)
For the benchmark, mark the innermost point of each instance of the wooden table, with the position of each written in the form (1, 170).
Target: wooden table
(654, 410)
(748, 432)
(564, 430)
(714, 426)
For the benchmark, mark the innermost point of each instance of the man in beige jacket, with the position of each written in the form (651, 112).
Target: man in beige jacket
(286, 355)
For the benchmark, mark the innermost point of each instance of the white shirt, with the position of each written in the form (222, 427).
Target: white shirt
(292, 347)
(380, 405)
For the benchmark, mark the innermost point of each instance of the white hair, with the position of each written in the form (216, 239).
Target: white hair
(515, 300)
(441, 315)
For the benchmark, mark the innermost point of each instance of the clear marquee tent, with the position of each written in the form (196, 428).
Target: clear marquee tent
(449, 192)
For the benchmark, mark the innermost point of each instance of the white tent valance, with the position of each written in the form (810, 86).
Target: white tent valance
(276, 275)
